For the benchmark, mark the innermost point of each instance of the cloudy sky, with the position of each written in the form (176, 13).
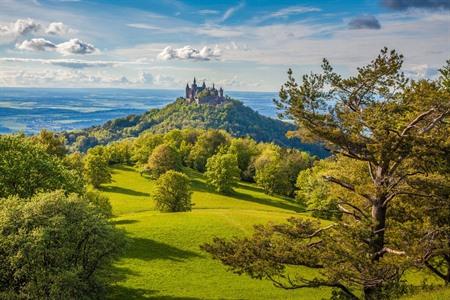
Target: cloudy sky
(241, 45)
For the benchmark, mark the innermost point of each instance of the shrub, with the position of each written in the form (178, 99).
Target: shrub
(55, 246)
(172, 193)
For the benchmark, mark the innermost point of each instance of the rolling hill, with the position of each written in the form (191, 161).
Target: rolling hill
(231, 116)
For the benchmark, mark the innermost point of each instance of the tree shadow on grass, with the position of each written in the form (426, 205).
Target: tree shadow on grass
(147, 249)
(200, 186)
(121, 292)
(124, 222)
(116, 291)
(121, 190)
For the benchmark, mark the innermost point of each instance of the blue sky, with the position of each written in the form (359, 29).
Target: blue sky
(240, 45)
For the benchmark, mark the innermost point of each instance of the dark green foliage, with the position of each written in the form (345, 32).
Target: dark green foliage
(163, 158)
(222, 172)
(55, 247)
(232, 116)
(172, 192)
(52, 144)
(26, 167)
(393, 134)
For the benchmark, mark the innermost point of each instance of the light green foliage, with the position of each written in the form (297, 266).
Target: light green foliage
(222, 172)
(245, 150)
(26, 168)
(173, 193)
(144, 145)
(100, 201)
(120, 152)
(276, 169)
(55, 247)
(163, 158)
(96, 169)
(208, 144)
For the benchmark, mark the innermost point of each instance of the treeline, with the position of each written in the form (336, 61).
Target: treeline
(231, 116)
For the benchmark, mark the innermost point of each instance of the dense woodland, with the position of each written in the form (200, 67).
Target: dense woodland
(380, 203)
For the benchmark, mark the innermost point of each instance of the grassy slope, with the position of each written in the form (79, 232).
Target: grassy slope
(164, 260)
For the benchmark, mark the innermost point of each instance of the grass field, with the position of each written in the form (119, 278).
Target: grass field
(163, 259)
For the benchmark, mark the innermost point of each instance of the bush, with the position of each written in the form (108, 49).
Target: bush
(172, 193)
(55, 246)
(222, 171)
(26, 168)
(163, 159)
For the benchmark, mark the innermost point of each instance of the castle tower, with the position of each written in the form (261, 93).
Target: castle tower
(204, 85)
(188, 91)
(194, 89)
(221, 92)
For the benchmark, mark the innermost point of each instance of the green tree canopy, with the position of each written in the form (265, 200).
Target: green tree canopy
(26, 168)
(398, 129)
(172, 192)
(96, 169)
(222, 172)
(164, 158)
(55, 246)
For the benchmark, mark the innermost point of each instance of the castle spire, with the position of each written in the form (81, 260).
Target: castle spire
(195, 81)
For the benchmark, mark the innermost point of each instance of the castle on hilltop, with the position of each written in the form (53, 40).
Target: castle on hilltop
(204, 95)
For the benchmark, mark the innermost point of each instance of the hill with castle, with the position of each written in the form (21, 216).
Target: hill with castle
(203, 94)
(203, 108)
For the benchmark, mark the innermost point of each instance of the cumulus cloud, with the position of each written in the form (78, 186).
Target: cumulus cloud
(421, 71)
(406, 4)
(19, 27)
(73, 46)
(36, 45)
(58, 28)
(364, 22)
(189, 53)
(76, 46)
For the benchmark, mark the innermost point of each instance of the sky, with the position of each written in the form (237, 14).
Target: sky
(240, 45)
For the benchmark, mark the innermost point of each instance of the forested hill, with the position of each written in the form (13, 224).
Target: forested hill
(232, 116)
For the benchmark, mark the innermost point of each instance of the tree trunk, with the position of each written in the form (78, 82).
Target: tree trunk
(371, 292)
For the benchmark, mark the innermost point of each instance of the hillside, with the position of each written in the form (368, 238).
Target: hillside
(163, 259)
(231, 116)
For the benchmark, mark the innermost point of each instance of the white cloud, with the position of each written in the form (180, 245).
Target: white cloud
(76, 46)
(144, 26)
(36, 45)
(73, 46)
(230, 11)
(68, 63)
(189, 53)
(294, 10)
(19, 27)
(58, 28)
(208, 12)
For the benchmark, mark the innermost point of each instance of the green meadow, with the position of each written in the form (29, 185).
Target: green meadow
(163, 259)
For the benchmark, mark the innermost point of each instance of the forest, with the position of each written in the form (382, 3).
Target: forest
(152, 199)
